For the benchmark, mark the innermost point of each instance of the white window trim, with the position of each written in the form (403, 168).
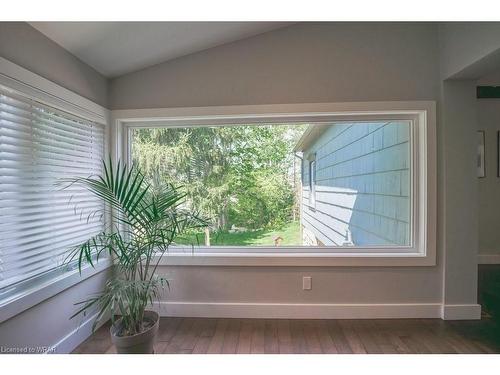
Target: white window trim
(312, 181)
(423, 113)
(51, 94)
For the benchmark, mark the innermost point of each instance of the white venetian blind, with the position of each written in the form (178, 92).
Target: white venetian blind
(40, 221)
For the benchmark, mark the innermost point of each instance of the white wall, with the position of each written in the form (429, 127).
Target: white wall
(468, 50)
(320, 62)
(303, 63)
(47, 324)
(331, 285)
(314, 62)
(460, 194)
(27, 47)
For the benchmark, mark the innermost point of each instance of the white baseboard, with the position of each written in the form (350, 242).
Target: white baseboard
(71, 341)
(461, 312)
(488, 258)
(299, 311)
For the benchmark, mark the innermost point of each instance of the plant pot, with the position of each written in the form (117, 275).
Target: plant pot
(141, 343)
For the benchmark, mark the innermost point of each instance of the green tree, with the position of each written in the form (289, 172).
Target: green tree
(241, 175)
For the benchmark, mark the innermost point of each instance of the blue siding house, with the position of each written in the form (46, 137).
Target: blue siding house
(356, 184)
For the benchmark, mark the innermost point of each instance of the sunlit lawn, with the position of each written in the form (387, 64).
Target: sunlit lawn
(289, 232)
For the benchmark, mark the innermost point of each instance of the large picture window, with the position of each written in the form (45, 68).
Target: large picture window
(39, 220)
(327, 184)
(317, 185)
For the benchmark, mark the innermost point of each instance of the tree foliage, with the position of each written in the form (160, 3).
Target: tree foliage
(236, 175)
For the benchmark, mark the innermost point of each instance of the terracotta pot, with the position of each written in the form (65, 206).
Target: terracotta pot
(141, 343)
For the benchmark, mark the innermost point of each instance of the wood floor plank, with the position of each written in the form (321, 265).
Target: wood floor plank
(352, 337)
(338, 337)
(365, 333)
(190, 339)
(112, 350)
(205, 337)
(210, 324)
(399, 344)
(381, 336)
(312, 340)
(168, 328)
(245, 338)
(258, 337)
(183, 332)
(436, 344)
(200, 335)
(415, 346)
(284, 337)
(231, 336)
(201, 346)
(102, 332)
(484, 347)
(455, 340)
(298, 339)
(325, 340)
(215, 346)
(271, 344)
(93, 346)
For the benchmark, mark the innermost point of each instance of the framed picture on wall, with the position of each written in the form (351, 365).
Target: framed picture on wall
(481, 168)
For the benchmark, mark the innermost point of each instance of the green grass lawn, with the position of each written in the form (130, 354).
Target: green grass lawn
(289, 232)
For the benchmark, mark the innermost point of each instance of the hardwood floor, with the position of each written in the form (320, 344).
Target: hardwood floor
(204, 335)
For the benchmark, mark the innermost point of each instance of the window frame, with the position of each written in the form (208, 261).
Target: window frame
(51, 94)
(312, 181)
(422, 252)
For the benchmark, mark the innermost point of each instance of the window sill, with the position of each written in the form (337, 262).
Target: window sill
(39, 293)
(298, 259)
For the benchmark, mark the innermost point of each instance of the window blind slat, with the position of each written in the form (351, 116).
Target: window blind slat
(80, 130)
(26, 246)
(52, 170)
(26, 252)
(40, 221)
(41, 231)
(18, 120)
(12, 201)
(40, 138)
(33, 108)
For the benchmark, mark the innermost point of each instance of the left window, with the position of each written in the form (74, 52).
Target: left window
(40, 221)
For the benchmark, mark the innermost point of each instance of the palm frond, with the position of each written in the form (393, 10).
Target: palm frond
(147, 221)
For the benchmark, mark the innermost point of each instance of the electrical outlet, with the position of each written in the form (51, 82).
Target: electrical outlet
(307, 283)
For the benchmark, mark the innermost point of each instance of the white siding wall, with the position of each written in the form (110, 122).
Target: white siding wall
(362, 185)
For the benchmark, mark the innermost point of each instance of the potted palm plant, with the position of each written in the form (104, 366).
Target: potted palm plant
(146, 218)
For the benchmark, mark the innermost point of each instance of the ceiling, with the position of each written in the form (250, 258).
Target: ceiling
(116, 48)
